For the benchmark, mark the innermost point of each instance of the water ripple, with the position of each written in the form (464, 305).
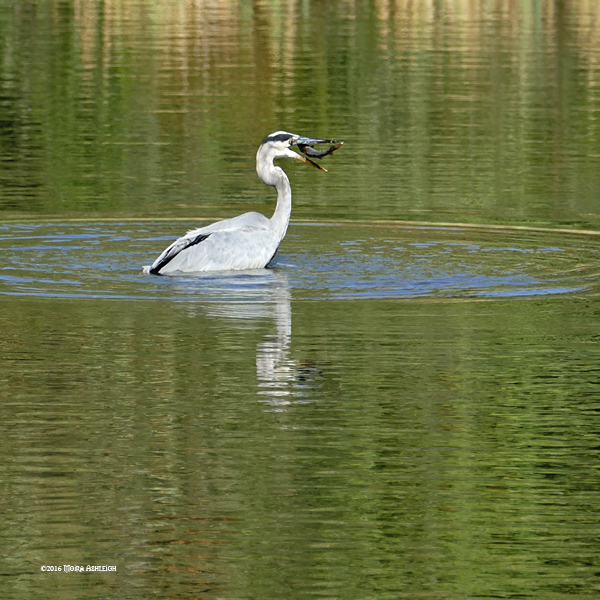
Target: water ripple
(365, 261)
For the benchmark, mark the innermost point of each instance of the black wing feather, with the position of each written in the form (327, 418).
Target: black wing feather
(174, 249)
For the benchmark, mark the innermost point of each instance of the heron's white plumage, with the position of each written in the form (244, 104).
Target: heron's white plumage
(249, 241)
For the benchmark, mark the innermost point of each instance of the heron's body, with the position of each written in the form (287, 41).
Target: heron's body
(249, 241)
(245, 242)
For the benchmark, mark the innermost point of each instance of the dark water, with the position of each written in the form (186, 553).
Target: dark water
(404, 405)
(312, 448)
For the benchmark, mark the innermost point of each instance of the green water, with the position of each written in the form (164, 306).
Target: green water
(404, 405)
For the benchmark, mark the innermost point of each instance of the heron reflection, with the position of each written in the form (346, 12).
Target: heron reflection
(257, 295)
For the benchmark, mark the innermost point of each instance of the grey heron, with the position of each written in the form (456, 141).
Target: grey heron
(249, 241)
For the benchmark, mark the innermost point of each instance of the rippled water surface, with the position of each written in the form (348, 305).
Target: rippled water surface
(316, 261)
(405, 405)
(389, 410)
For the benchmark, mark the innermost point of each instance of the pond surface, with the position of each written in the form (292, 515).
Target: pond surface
(316, 261)
(383, 412)
(405, 404)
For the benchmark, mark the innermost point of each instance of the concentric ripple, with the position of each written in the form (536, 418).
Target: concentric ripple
(326, 261)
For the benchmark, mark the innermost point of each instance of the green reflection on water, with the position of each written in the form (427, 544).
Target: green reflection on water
(372, 449)
(470, 112)
(284, 447)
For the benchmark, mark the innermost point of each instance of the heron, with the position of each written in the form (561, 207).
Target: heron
(251, 240)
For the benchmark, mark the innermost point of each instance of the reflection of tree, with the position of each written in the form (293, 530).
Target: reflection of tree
(145, 106)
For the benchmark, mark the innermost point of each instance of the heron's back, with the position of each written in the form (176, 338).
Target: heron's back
(245, 242)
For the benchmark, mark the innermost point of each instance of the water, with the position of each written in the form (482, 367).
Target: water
(404, 405)
(436, 448)
(383, 403)
(477, 113)
(316, 261)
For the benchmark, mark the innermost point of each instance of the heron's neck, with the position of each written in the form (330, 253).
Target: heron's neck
(275, 177)
(283, 210)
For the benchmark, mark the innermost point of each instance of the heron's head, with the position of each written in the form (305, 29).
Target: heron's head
(279, 144)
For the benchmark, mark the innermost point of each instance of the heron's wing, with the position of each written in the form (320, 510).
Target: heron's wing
(174, 249)
(220, 250)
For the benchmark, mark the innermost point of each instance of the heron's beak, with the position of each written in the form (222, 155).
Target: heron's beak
(306, 141)
(307, 161)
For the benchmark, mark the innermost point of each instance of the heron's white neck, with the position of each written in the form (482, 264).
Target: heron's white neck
(274, 176)
(283, 210)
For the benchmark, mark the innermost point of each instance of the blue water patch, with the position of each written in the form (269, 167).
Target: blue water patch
(318, 263)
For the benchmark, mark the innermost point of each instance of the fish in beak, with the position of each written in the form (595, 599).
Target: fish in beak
(306, 146)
